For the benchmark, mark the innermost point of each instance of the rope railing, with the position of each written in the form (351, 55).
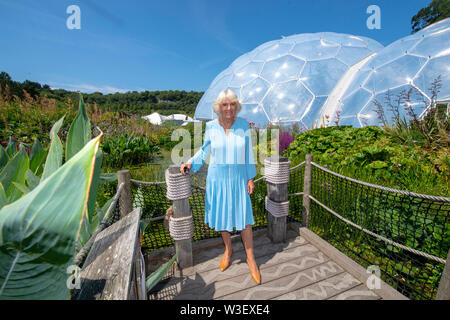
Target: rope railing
(404, 192)
(398, 245)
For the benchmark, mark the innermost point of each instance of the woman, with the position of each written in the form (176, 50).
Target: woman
(229, 182)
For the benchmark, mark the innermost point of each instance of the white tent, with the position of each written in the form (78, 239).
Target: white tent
(154, 118)
(158, 119)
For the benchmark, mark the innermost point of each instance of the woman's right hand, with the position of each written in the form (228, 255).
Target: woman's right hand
(185, 165)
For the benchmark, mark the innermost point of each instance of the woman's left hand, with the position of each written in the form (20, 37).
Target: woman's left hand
(250, 186)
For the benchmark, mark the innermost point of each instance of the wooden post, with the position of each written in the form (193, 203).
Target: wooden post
(125, 197)
(181, 208)
(307, 191)
(276, 226)
(444, 285)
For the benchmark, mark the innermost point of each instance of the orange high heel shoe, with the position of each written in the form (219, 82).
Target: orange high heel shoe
(223, 264)
(256, 276)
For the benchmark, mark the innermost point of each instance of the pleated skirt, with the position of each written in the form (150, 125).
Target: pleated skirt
(227, 203)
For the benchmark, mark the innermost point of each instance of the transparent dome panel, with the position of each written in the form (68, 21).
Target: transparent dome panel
(254, 113)
(352, 55)
(204, 110)
(312, 113)
(395, 73)
(287, 101)
(254, 91)
(304, 37)
(222, 79)
(346, 40)
(246, 74)
(350, 121)
(357, 82)
(353, 104)
(435, 69)
(282, 69)
(321, 76)
(432, 46)
(273, 52)
(316, 49)
(240, 62)
(391, 52)
(398, 105)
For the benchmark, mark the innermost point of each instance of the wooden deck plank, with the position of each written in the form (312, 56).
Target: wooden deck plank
(282, 285)
(323, 289)
(360, 292)
(385, 291)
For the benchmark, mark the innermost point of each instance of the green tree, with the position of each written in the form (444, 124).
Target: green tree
(437, 10)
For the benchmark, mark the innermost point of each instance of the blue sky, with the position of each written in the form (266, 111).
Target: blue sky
(168, 44)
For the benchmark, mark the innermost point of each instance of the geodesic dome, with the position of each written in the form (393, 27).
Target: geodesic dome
(289, 79)
(411, 63)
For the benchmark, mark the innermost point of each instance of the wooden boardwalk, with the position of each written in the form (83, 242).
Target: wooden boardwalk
(303, 268)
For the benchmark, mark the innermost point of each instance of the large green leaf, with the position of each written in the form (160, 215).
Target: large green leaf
(38, 232)
(156, 276)
(3, 200)
(15, 171)
(79, 132)
(108, 177)
(31, 179)
(55, 152)
(57, 126)
(21, 187)
(94, 188)
(37, 156)
(88, 228)
(4, 158)
(11, 147)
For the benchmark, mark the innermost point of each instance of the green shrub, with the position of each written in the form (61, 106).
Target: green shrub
(373, 155)
(125, 150)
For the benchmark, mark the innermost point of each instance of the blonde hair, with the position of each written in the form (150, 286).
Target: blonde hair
(226, 94)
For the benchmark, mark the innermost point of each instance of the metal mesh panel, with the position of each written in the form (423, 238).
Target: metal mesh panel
(418, 223)
(151, 198)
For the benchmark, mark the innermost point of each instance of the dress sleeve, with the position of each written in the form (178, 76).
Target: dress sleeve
(201, 155)
(249, 158)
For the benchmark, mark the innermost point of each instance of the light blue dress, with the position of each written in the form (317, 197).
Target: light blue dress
(231, 165)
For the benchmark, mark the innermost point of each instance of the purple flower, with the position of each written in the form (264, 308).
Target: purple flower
(285, 140)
